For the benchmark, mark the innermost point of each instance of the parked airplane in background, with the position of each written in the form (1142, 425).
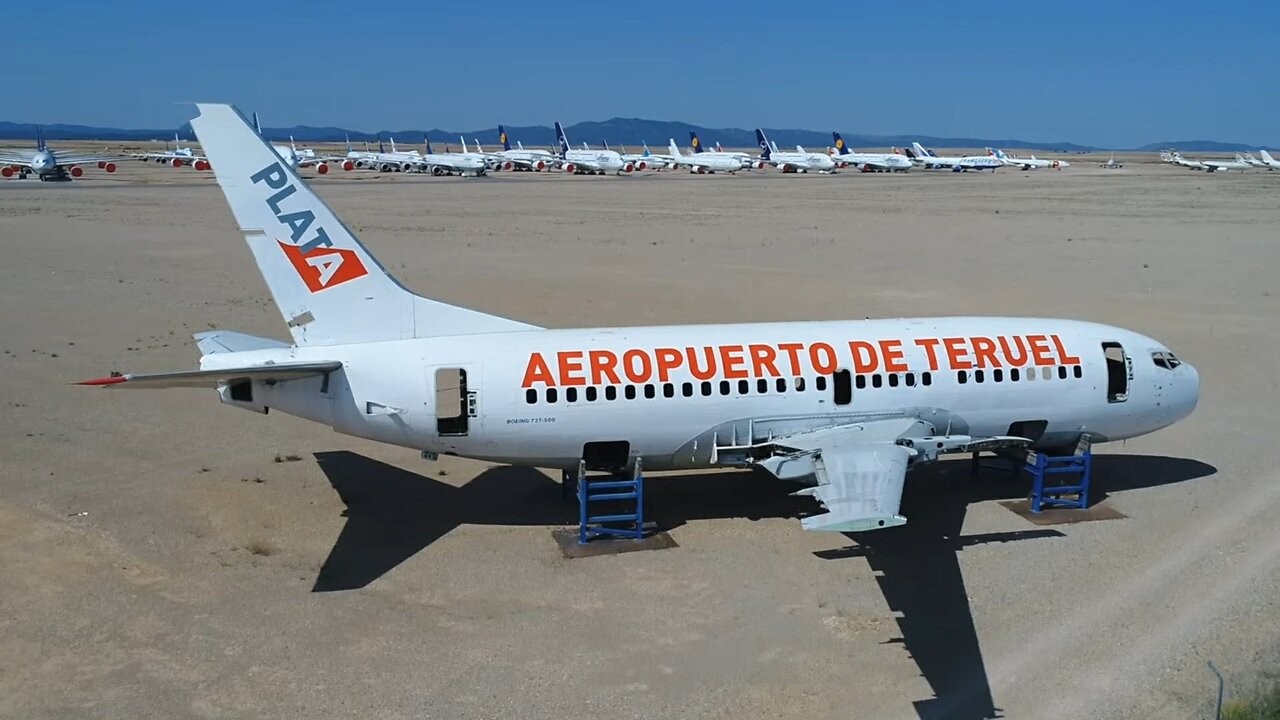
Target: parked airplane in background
(869, 162)
(845, 407)
(703, 162)
(645, 160)
(1226, 165)
(744, 159)
(518, 158)
(178, 156)
(449, 163)
(1253, 161)
(49, 164)
(1031, 163)
(932, 160)
(799, 161)
(588, 162)
(1271, 162)
(1111, 164)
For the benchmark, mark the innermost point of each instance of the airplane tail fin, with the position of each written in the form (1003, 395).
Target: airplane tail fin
(763, 142)
(561, 140)
(502, 138)
(915, 145)
(326, 284)
(673, 149)
(381, 148)
(349, 149)
(606, 144)
(425, 141)
(40, 143)
(1266, 157)
(694, 142)
(839, 142)
(718, 148)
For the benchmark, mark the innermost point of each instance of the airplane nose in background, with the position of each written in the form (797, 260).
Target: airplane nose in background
(1188, 390)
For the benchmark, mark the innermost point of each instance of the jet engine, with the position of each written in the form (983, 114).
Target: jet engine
(570, 168)
(508, 165)
(642, 165)
(348, 165)
(75, 171)
(629, 167)
(6, 171)
(539, 166)
(321, 168)
(177, 163)
(109, 167)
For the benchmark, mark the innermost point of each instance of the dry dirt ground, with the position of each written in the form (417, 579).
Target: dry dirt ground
(166, 556)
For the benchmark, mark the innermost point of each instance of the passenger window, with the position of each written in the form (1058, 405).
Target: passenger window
(893, 380)
(649, 391)
(551, 395)
(724, 387)
(821, 383)
(531, 396)
(571, 394)
(744, 387)
(1046, 373)
(843, 387)
(997, 375)
(1077, 371)
(1014, 374)
(706, 388)
(799, 384)
(911, 379)
(687, 389)
(668, 390)
(1031, 374)
(860, 382)
(876, 380)
(978, 376)
(630, 391)
(1062, 372)
(926, 378)
(762, 386)
(611, 392)
(782, 385)
(591, 393)
(962, 376)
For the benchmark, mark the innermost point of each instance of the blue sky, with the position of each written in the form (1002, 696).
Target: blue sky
(1109, 73)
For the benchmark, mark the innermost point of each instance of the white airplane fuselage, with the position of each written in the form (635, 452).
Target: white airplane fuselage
(695, 396)
(595, 160)
(880, 161)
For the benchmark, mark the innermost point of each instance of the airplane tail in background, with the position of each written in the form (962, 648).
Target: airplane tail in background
(1266, 157)
(502, 138)
(349, 148)
(425, 141)
(646, 152)
(718, 148)
(841, 148)
(381, 148)
(40, 143)
(763, 142)
(606, 144)
(561, 140)
(694, 142)
(921, 151)
(327, 286)
(675, 151)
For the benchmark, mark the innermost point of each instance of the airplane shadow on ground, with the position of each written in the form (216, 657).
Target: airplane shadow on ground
(393, 513)
(918, 568)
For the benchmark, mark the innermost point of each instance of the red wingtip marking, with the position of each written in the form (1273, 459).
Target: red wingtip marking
(104, 381)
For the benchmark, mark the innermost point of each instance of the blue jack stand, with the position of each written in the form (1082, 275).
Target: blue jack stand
(1061, 494)
(624, 489)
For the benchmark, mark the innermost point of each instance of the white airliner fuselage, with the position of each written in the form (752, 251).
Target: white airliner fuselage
(844, 406)
(703, 396)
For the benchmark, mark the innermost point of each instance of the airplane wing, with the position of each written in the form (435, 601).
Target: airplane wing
(63, 158)
(860, 468)
(17, 156)
(211, 378)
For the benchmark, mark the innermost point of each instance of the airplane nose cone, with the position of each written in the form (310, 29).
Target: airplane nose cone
(1186, 391)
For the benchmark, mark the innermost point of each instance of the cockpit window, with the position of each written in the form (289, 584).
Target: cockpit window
(1165, 359)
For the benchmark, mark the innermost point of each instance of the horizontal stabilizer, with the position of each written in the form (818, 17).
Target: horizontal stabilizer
(212, 378)
(225, 341)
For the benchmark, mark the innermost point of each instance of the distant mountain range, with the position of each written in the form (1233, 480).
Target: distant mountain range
(617, 131)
